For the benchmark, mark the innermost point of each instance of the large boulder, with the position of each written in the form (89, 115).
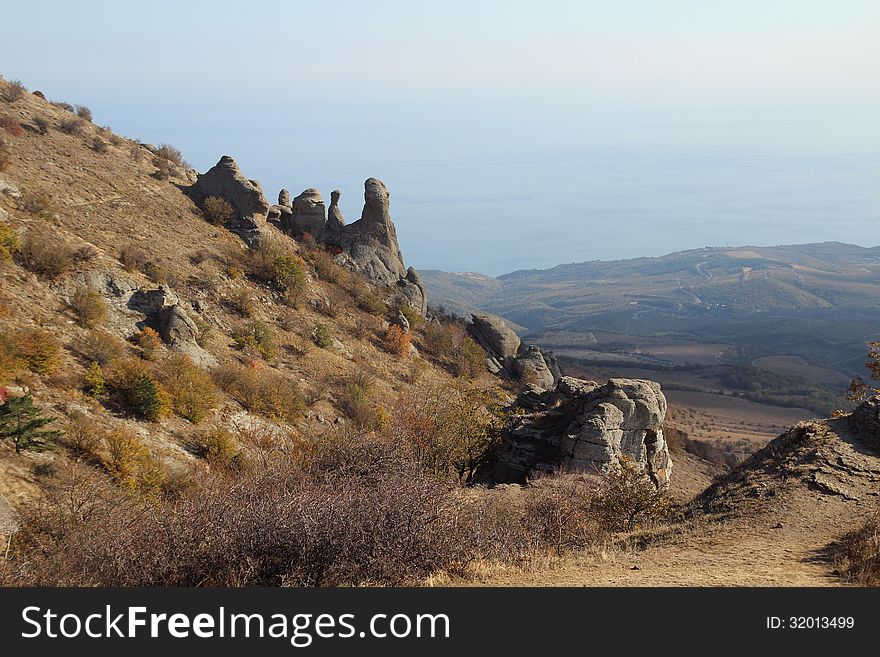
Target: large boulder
(581, 426)
(250, 207)
(497, 339)
(866, 420)
(181, 333)
(308, 213)
(530, 366)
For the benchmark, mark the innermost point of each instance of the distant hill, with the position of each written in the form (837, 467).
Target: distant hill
(799, 311)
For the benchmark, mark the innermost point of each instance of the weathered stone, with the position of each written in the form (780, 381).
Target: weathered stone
(250, 207)
(308, 214)
(866, 420)
(530, 366)
(413, 290)
(332, 231)
(151, 302)
(371, 241)
(181, 333)
(284, 198)
(497, 338)
(581, 426)
(401, 320)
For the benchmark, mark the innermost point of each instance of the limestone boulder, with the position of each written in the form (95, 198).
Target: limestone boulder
(309, 214)
(250, 208)
(582, 426)
(499, 341)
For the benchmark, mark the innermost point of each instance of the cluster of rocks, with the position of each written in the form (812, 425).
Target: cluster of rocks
(368, 245)
(582, 426)
(508, 356)
(866, 421)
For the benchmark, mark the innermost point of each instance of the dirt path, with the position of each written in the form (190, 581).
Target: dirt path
(792, 502)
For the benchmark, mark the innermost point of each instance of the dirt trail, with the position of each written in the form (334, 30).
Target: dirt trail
(783, 510)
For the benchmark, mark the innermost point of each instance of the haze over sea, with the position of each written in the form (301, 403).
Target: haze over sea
(511, 136)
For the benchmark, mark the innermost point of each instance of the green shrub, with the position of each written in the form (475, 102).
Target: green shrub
(322, 336)
(133, 389)
(95, 384)
(256, 336)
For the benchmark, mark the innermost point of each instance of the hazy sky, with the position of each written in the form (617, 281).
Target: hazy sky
(511, 134)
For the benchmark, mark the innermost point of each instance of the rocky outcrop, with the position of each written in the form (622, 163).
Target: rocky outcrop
(332, 232)
(308, 215)
(582, 426)
(497, 339)
(413, 290)
(250, 208)
(284, 198)
(866, 421)
(530, 366)
(165, 313)
(371, 241)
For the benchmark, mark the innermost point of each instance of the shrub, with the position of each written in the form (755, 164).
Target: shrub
(396, 341)
(628, 498)
(170, 154)
(242, 302)
(256, 336)
(11, 126)
(46, 255)
(10, 244)
(131, 465)
(81, 436)
(84, 112)
(73, 126)
(14, 91)
(272, 265)
(450, 343)
(36, 202)
(41, 123)
(261, 390)
(857, 554)
(95, 384)
(448, 428)
(99, 145)
(355, 400)
(216, 446)
(366, 298)
(326, 267)
(39, 349)
(133, 389)
(412, 315)
(192, 391)
(62, 105)
(5, 158)
(132, 257)
(148, 341)
(88, 306)
(559, 512)
(322, 336)
(217, 210)
(101, 347)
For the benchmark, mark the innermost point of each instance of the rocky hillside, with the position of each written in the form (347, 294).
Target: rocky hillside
(141, 296)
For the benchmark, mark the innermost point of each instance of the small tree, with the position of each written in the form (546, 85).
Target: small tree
(858, 389)
(23, 422)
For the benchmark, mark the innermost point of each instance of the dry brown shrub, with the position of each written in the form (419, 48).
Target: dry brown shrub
(89, 306)
(14, 91)
(217, 210)
(857, 554)
(396, 341)
(39, 349)
(45, 255)
(262, 390)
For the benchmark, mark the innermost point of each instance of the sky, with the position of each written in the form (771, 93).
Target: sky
(511, 134)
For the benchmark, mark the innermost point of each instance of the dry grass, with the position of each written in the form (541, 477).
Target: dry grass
(857, 554)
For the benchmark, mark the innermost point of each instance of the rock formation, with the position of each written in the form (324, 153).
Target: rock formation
(581, 426)
(250, 207)
(332, 232)
(371, 241)
(507, 356)
(284, 198)
(498, 339)
(866, 420)
(309, 214)
(164, 312)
